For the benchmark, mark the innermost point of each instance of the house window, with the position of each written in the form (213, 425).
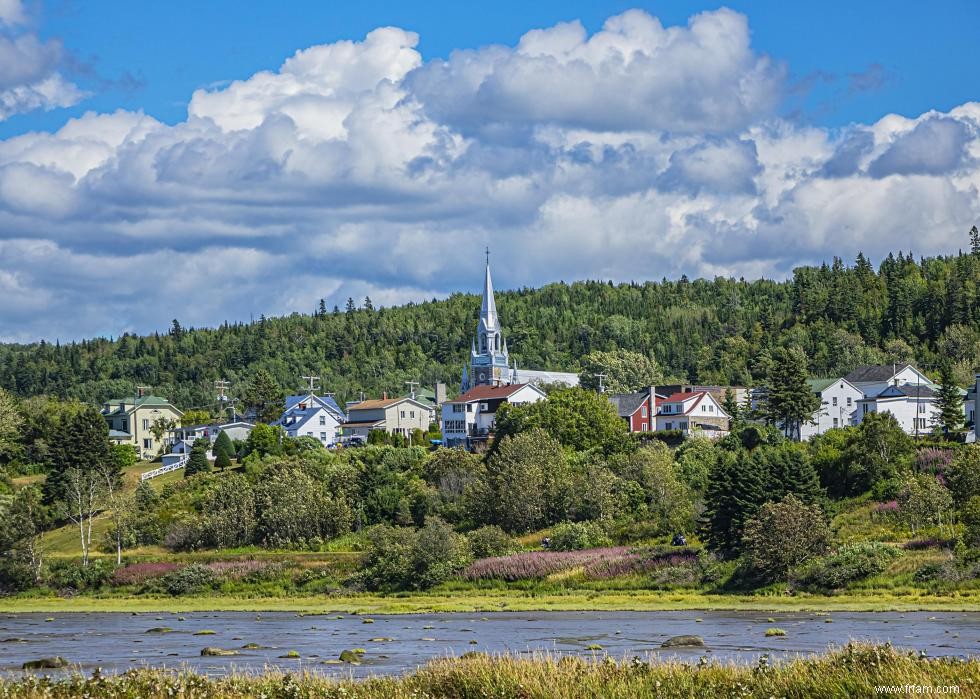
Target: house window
(865, 411)
(643, 411)
(920, 423)
(836, 425)
(147, 443)
(323, 419)
(323, 436)
(645, 427)
(849, 401)
(411, 414)
(711, 408)
(833, 401)
(922, 408)
(146, 424)
(403, 413)
(669, 426)
(682, 425)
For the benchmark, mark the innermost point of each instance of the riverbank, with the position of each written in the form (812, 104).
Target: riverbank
(503, 600)
(856, 670)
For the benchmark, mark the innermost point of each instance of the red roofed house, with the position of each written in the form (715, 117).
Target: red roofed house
(468, 420)
(691, 412)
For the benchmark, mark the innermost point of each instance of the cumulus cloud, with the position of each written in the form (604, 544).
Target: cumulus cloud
(29, 75)
(356, 168)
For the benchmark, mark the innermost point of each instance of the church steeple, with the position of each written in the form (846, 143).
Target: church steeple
(489, 359)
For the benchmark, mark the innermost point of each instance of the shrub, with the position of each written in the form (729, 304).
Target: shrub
(399, 558)
(970, 516)
(538, 564)
(784, 535)
(72, 576)
(848, 564)
(193, 578)
(139, 573)
(490, 541)
(937, 572)
(575, 536)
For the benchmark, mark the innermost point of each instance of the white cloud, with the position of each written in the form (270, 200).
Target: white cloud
(357, 169)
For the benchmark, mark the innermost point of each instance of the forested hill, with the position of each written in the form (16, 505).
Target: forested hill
(716, 331)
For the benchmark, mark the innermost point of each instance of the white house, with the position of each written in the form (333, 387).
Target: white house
(312, 416)
(468, 421)
(914, 407)
(693, 411)
(872, 380)
(393, 415)
(839, 400)
(971, 405)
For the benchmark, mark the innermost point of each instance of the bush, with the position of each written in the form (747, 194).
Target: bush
(490, 541)
(575, 536)
(970, 516)
(399, 558)
(847, 564)
(193, 578)
(937, 572)
(139, 573)
(72, 576)
(784, 535)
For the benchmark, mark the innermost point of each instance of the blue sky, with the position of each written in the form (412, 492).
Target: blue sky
(152, 56)
(214, 161)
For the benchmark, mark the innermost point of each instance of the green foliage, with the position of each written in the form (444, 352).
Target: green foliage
(623, 371)
(970, 517)
(846, 565)
(527, 482)
(198, 461)
(579, 419)
(573, 536)
(293, 510)
(67, 575)
(264, 395)
(264, 440)
(964, 474)
(401, 558)
(879, 450)
(10, 422)
(783, 535)
(949, 401)
(191, 579)
(490, 541)
(80, 443)
(223, 443)
(924, 502)
(124, 455)
(789, 401)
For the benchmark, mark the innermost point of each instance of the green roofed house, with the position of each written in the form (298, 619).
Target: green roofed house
(131, 421)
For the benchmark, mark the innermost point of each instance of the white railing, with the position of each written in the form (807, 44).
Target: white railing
(179, 463)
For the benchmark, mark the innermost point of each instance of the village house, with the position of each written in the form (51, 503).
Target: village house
(393, 415)
(901, 390)
(314, 416)
(693, 412)
(839, 400)
(638, 409)
(144, 421)
(468, 420)
(184, 438)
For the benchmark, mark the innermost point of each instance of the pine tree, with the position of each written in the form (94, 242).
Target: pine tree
(223, 450)
(789, 402)
(949, 401)
(737, 487)
(198, 461)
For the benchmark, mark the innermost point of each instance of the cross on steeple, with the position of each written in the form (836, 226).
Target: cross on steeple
(488, 256)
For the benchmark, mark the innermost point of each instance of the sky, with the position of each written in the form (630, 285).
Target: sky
(218, 161)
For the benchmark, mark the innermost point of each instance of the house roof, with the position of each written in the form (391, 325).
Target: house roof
(325, 402)
(682, 396)
(118, 434)
(820, 385)
(118, 404)
(907, 390)
(567, 378)
(628, 403)
(481, 393)
(874, 373)
(375, 404)
(369, 423)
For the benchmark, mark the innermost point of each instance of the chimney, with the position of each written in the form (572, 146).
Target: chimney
(440, 393)
(384, 396)
(140, 391)
(652, 397)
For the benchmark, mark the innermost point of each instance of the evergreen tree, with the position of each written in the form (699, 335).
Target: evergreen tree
(731, 406)
(949, 401)
(223, 444)
(198, 461)
(264, 395)
(789, 401)
(80, 443)
(737, 487)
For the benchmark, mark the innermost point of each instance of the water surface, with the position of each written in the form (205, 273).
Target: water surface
(399, 643)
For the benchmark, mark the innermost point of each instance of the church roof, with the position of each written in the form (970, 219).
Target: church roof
(488, 311)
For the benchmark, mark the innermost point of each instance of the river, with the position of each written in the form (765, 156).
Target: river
(398, 643)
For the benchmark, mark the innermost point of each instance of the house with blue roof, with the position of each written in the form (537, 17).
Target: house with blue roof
(314, 416)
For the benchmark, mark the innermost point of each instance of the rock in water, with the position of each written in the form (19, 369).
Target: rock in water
(54, 663)
(217, 652)
(683, 642)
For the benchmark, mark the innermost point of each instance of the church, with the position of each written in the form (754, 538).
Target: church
(490, 363)
(490, 380)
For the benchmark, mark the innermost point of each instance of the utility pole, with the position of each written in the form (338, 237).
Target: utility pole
(311, 380)
(221, 388)
(602, 388)
(411, 388)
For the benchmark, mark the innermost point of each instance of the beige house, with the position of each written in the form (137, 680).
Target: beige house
(393, 415)
(132, 420)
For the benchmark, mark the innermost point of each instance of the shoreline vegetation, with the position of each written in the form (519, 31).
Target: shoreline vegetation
(854, 670)
(503, 601)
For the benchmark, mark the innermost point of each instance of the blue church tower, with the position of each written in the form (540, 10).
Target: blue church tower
(489, 363)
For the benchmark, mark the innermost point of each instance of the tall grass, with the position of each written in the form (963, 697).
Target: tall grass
(539, 564)
(853, 671)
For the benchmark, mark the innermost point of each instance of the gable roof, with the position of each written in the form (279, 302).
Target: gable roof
(907, 390)
(820, 385)
(379, 403)
(627, 404)
(875, 372)
(682, 396)
(482, 393)
(130, 404)
(325, 402)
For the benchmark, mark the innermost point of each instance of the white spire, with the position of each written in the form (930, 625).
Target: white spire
(488, 312)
